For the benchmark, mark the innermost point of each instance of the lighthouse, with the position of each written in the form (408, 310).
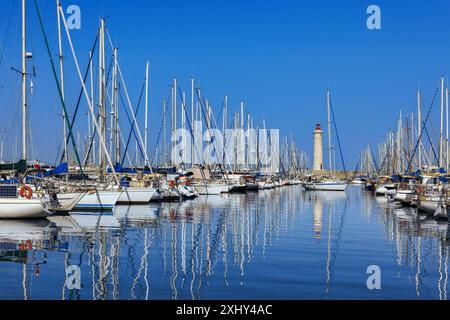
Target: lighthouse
(318, 149)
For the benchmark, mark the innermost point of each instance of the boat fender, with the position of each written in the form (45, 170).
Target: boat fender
(26, 192)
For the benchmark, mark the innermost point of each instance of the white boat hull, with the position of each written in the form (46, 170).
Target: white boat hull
(428, 206)
(326, 186)
(265, 185)
(187, 192)
(212, 189)
(136, 195)
(384, 191)
(405, 196)
(18, 208)
(98, 200)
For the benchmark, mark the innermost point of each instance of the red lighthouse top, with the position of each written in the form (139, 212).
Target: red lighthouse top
(318, 127)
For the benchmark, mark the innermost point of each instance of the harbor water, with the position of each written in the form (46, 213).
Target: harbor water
(283, 243)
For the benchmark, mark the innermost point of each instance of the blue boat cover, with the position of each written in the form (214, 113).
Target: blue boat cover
(63, 168)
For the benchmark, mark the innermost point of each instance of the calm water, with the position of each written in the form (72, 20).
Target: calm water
(275, 244)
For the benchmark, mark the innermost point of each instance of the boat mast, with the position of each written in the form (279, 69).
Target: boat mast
(446, 129)
(112, 121)
(183, 127)
(24, 81)
(224, 128)
(441, 134)
(61, 70)
(330, 163)
(116, 104)
(146, 111)
(174, 119)
(192, 120)
(411, 145)
(248, 149)
(419, 129)
(91, 108)
(91, 133)
(164, 151)
(102, 118)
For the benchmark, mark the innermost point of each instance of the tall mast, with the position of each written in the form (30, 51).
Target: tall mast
(102, 110)
(116, 104)
(446, 128)
(242, 114)
(24, 81)
(208, 114)
(174, 118)
(412, 140)
(225, 126)
(441, 134)
(113, 109)
(91, 133)
(192, 120)
(329, 132)
(61, 75)
(419, 128)
(225, 115)
(183, 126)
(164, 133)
(242, 143)
(146, 111)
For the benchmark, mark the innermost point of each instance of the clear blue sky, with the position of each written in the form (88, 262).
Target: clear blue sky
(280, 56)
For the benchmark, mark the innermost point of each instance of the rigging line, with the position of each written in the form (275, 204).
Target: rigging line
(217, 127)
(374, 161)
(357, 165)
(132, 131)
(86, 158)
(159, 137)
(80, 95)
(6, 36)
(208, 120)
(219, 117)
(183, 103)
(338, 139)
(132, 125)
(387, 155)
(423, 129)
(91, 142)
(58, 86)
(432, 147)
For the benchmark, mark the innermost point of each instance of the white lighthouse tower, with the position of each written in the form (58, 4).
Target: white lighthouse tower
(318, 149)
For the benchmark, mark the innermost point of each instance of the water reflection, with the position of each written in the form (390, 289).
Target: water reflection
(421, 243)
(282, 243)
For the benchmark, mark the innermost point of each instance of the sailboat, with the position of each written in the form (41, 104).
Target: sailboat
(20, 201)
(103, 195)
(329, 183)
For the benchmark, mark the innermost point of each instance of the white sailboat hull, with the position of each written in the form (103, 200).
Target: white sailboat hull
(405, 196)
(265, 185)
(17, 208)
(187, 192)
(428, 206)
(136, 195)
(386, 190)
(326, 186)
(212, 189)
(98, 200)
